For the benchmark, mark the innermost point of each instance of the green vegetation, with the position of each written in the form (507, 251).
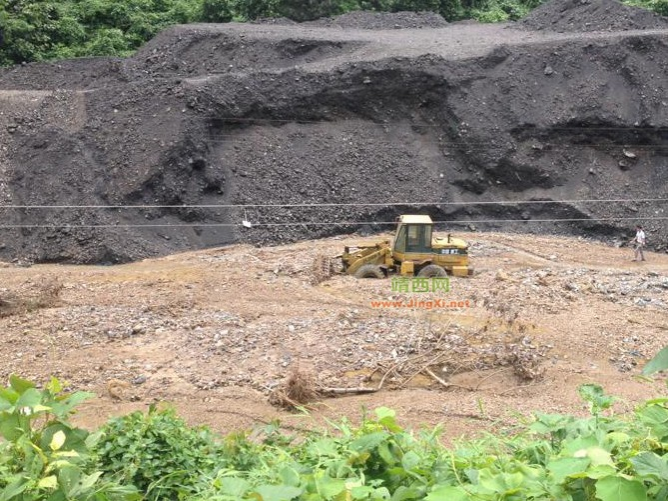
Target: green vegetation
(158, 453)
(42, 456)
(156, 456)
(658, 6)
(37, 30)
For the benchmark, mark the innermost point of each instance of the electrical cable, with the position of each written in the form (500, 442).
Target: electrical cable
(332, 223)
(346, 204)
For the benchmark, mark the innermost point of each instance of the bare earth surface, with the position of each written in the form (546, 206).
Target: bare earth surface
(214, 332)
(455, 41)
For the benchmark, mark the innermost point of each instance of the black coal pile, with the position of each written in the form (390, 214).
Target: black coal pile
(591, 15)
(270, 133)
(364, 20)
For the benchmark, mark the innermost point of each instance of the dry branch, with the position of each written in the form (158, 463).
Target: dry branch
(346, 391)
(436, 378)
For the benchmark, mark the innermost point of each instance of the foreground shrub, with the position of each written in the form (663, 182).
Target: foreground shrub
(158, 453)
(42, 456)
(601, 456)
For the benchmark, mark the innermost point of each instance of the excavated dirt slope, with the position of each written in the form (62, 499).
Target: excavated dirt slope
(360, 109)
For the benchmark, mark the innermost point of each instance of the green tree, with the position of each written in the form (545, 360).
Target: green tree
(248, 10)
(34, 31)
(307, 10)
(107, 42)
(217, 11)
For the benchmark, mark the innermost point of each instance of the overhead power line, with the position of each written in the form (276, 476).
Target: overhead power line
(345, 204)
(329, 223)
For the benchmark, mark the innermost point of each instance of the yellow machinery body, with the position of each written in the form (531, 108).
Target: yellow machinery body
(413, 251)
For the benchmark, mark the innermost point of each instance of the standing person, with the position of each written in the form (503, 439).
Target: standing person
(638, 244)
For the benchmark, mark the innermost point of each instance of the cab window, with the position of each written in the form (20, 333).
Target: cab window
(418, 238)
(400, 240)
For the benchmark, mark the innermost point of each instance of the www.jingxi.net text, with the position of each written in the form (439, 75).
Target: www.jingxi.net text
(427, 304)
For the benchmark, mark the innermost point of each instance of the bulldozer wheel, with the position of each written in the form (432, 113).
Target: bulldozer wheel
(431, 271)
(370, 271)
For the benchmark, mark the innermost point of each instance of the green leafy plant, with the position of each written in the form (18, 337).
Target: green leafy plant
(158, 453)
(157, 456)
(658, 363)
(600, 457)
(42, 456)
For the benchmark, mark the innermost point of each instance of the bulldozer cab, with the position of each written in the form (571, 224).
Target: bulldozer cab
(415, 247)
(414, 235)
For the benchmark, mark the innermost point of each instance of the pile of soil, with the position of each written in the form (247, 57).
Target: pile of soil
(107, 160)
(274, 20)
(364, 20)
(591, 15)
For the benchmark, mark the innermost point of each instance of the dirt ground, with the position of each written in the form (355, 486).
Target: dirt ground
(214, 332)
(110, 160)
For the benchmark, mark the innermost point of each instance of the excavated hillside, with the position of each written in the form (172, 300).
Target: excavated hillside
(110, 160)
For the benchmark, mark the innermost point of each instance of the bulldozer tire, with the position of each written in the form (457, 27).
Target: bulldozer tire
(432, 271)
(370, 271)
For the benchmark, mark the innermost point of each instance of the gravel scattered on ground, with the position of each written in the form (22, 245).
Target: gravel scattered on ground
(208, 328)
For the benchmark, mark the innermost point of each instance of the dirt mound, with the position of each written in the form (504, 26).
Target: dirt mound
(364, 20)
(591, 15)
(283, 21)
(108, 160)
(210, 50)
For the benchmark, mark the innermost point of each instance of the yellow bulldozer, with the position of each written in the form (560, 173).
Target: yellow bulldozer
(414, 251)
